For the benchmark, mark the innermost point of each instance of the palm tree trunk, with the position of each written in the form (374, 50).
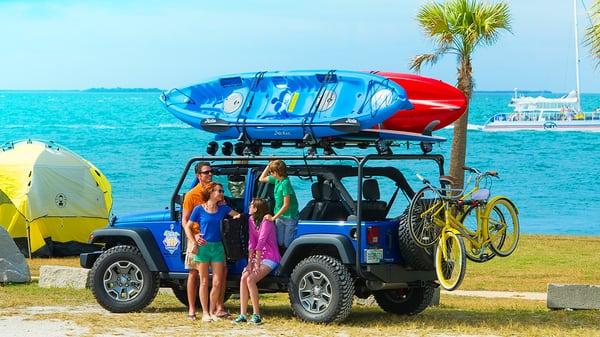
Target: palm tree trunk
(459, 140)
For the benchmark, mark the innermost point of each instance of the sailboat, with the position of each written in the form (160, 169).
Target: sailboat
(542, 113)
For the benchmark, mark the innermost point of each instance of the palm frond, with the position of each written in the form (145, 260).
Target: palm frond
(417, 62)
(432, 17)
(592, 35)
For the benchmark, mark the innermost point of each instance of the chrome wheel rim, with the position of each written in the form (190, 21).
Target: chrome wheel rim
(315, 292)
(123, 281)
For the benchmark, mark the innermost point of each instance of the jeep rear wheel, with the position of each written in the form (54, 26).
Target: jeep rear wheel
(405, 301)
(321, 290)
(181, 295)
(414, 255)
(121, 281)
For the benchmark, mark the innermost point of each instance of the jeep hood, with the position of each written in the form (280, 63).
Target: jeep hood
(154, 216)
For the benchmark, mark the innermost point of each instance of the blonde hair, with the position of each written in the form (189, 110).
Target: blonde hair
(279, 167)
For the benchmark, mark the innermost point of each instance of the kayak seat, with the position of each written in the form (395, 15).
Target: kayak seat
(373, 209)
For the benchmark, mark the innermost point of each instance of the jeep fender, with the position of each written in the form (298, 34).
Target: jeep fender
(302, 244)
(143, 240)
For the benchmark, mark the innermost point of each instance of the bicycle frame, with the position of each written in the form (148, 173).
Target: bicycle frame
(451, 206)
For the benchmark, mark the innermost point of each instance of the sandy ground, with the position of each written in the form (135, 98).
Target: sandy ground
(499, 294)
(21, 322)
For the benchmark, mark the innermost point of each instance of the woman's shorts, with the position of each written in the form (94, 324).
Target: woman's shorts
(210, 252)
(270, 263)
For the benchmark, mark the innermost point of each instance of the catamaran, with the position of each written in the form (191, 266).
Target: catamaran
(542, 113)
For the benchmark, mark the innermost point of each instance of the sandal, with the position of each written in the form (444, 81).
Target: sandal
(191, 317)
(223, 314)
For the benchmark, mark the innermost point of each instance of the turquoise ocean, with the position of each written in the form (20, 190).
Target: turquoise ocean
(142, 149)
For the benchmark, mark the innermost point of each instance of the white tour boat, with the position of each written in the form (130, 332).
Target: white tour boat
(542, 113)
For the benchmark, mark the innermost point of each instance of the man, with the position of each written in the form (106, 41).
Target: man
(192, 199)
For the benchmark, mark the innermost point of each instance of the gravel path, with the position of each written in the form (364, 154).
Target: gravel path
(498, 294)
(22, 323)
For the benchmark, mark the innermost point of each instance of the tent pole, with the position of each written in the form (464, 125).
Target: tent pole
(28, 238)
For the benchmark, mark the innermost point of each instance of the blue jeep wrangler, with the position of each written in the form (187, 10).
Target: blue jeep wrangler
(350, 240)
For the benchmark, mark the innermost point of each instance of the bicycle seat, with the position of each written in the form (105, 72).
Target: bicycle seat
(481, 195)
(448, 180)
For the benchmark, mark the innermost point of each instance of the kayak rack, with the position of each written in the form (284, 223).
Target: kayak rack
(328, 146)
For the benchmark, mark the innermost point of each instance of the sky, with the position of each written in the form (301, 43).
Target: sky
(67, 44)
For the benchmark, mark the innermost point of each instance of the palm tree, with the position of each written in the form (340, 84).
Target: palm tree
(458, 27)
(592, 36)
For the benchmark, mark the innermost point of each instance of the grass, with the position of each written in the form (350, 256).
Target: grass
(538, 261)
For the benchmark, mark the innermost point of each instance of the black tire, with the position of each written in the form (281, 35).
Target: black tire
(321, 290)
(122, 272)
(414, 255)
(423, 228)
(405, 301)
(181, 295)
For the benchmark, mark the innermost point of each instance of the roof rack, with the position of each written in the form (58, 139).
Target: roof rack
(246, 146)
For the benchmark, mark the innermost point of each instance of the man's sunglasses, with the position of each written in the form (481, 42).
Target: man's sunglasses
(206, 172)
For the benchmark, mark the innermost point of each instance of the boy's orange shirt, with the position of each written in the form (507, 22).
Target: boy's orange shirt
(192, 199)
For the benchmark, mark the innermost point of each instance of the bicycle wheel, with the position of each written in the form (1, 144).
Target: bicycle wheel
(469, 221)
(423, 210)
(450, 266)
(502, 224)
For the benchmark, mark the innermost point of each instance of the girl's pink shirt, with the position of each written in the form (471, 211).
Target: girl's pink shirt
(264, 239)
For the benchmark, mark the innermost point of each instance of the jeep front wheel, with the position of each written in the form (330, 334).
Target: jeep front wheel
(121, 281)
(321, 290)
(404, 301)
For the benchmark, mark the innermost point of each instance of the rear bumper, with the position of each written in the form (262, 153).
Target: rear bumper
(86, 260)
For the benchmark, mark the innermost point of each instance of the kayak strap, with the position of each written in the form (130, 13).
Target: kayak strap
(256, 81)
(317, 103)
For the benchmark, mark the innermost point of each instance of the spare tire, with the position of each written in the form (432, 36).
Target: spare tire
(414, 256)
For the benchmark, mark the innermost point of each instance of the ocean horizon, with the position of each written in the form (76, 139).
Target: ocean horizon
(142, 149)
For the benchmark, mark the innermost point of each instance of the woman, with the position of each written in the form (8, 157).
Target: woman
(263, 257)
(286, 204)
(210, 251)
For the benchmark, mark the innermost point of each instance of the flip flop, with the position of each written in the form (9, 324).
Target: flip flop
(191, 317)
(223, 314)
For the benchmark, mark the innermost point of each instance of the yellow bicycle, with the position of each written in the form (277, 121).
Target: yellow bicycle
(463, 225)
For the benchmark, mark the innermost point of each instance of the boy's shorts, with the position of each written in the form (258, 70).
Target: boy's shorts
(210, 252)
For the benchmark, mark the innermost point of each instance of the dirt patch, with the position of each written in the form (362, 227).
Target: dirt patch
(24, 326)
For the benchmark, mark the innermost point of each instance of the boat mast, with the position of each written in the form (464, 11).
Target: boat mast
(578, 106)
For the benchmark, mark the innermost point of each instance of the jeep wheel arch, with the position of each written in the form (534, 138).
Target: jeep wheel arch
(309, 244)
(141, 238)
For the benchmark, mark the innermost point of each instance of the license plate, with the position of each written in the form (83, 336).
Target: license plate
(373, 255)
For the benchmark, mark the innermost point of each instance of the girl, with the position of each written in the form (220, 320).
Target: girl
(208, 217)
(286, 203)
(263, 257)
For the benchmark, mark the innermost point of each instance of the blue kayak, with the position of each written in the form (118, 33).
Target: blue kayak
(287, 105)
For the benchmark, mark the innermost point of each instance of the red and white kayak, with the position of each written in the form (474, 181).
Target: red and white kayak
(432, 100)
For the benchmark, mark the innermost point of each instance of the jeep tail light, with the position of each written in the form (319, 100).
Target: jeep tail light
(372, 235)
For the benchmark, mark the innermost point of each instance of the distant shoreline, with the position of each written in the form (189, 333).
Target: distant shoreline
(87, 90)
(115, 90)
